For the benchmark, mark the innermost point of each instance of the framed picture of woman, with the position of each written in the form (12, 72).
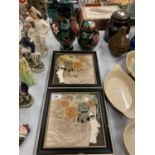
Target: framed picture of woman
(74, 69)
(74, 121)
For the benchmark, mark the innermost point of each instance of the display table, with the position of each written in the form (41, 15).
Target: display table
(32, 115)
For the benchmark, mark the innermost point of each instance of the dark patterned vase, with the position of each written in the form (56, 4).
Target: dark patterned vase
(52, 6)
(65, 28)
(89, 35)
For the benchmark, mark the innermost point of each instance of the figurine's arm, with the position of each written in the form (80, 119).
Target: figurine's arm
(46, 27)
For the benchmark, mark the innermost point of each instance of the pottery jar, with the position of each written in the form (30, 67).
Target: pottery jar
(118, 20)
(119, 43)
(89, 35)
(65, 28)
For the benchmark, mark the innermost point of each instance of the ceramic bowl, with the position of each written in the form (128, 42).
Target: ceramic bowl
(120, 91)
(129, 137)
(130, 63)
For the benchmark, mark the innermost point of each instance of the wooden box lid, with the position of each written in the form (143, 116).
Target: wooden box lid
(99, 14)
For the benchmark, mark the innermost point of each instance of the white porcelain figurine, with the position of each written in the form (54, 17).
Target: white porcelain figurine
(41, 28)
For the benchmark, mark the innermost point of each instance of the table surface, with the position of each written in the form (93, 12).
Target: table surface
(32, 114)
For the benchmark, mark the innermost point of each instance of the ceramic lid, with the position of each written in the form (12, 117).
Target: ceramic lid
(88, 26)
(120, 16)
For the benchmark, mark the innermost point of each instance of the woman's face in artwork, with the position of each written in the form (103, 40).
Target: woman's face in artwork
(59, 74)
(94, 127)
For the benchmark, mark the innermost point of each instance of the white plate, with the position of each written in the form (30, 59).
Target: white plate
(129, 137)
(130, 63)
(120, 90)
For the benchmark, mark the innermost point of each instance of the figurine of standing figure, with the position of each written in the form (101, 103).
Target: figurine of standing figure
(25, 99)
(33, 58)
(25, 74)
(41, 28)
(23, 8)
(24, 130)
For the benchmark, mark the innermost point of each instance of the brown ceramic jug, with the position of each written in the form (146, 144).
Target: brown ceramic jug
(118, 20)
(119, 43)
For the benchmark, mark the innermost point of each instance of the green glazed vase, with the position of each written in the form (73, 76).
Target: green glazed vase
(52, 9)
(89, 35)
(65, 28)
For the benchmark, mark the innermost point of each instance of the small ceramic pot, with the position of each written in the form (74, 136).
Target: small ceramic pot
(119, 43)
(65, 28)
(118, 20)
(89, 35)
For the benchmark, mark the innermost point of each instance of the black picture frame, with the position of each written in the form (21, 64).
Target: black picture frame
(52, 68)
(95, 150)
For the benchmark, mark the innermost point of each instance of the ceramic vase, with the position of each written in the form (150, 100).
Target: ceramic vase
(89, 35)
(118, 20)
(65, 28)
(52, 9)
(119, 43)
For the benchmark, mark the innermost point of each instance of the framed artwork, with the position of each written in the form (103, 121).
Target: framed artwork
(74, 121)
(100, 12)
(75, 69)
(93, 2)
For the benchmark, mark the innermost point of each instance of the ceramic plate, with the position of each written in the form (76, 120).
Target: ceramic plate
(130, 63)
(129, 137)
(120, 90)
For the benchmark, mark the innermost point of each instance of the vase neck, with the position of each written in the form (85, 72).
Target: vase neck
(61, 18)
(64, 12)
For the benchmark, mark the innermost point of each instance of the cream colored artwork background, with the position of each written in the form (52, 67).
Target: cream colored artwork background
(74, 69)
(73, 121)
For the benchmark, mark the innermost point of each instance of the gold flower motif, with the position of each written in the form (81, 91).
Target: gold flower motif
(64, 102)
(123, 2)
(71, 112)
(77, 66)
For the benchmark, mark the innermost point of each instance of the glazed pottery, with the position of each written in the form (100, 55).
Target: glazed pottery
(120, 91)
(52, 9)
(129, 137)
(25, 99)
(119, 43)
(40, 5)
(118, 20)
(24, 130)
(32, 57)
(130, 63)
(71, 4)
(23, 8)
(89, 35)
(65, 28)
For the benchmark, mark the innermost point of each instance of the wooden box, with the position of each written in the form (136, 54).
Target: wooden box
(99, 14)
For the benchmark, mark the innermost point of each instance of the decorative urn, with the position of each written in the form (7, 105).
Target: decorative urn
(89, 35)
(65, 28)
(118, 20)
(119, 43)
